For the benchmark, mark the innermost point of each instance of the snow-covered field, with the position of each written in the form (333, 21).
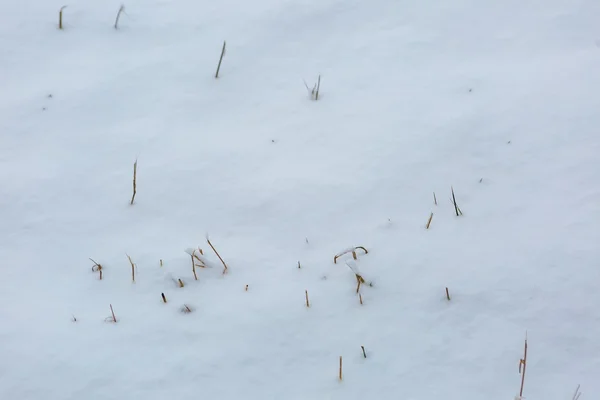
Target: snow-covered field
(499, 99)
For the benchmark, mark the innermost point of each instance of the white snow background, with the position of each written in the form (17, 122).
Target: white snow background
(499, 99)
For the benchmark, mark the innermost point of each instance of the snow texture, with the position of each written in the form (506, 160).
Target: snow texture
(498, 99)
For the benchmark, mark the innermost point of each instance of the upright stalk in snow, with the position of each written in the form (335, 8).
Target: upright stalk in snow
(60, 19)
(218, 255)
(132, 268)
(456, 207)
(121, 9)
(221, 59)
(522, 367)
(134, 181)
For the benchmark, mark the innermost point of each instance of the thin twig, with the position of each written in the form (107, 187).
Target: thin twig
(218, 255)
(60, 17)
(523, 363)
(318, 87)
(220, 59)
(134, 181)
(132, 268)
(121, 9)
(429, 221)
(363, 350)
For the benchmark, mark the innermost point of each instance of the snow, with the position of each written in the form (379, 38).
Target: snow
(498, 99)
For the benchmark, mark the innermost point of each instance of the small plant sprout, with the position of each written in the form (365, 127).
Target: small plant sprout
(447, 294)
(522, 367)
(577, 393)
(132, 268)
(350, 250)
(164, 299)
(121, 10)
(220, 59)
(363, 351)
(60, 17)
(134, 181)
(307, 302)
(225, 269)
(97, 268)
(456, 207)
(314, 92)
(112, 318)
(429, 221)
(340, 374)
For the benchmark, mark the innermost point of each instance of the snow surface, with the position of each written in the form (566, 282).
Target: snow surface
(499, 99)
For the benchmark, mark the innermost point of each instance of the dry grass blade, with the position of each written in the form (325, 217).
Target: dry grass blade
(340, 376)
(447, 294)
(318, 88)
(434, 199)
(180, 283)
(112, 318)
(97, 268)
(306, 295)
(456, 208)
(577, 393)
(218, 255)
(132, 268)
(364, 352)
(350, 250)
(60, 17)
(522, 367)
(134, 181)
(164, 299)
(186, 309)
(121, 9)
(429, 221)
(221, 59)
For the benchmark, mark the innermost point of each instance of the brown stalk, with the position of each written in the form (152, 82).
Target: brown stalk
(306, 295)
(353, 251)
(429, 221)
(340, 368)
(447, 294)
(163, 297)
(113, 314)
(60, 17)
(218, 255)
(97, 268)
(523, 363)
(180, 283)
